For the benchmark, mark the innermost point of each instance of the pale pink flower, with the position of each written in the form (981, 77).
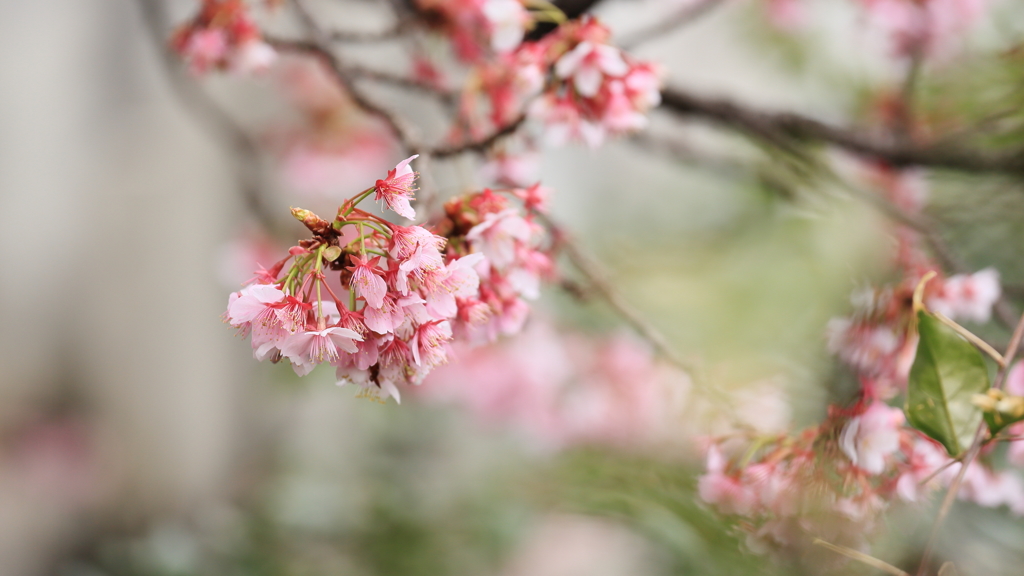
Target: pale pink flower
(385, 318)
(968, 297)
(925, 458)
(643, 85)
(396, 189)
(726, 492)
(498, 234)
(588, 63)
(868, 439)
(865, 347)
(407, 240)
(367, 283)
(319, 346)
(991, 489)
(620, 115)
(205, 49)
(253, 56)
(247, 303)
(563, 122)
(507, 19)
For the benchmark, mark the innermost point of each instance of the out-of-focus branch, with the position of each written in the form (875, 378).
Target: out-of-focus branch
(320, 46)
(210, 114)
(785, 130)
(671, 23)
(483, 143)
(360, 72)
(926, 227)
(360, 37)
(601, 284)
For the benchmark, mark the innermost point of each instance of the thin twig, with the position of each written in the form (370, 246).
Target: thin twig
(939, 470)
(483, 143)
(861, 557)
(356, 71)
(670, 23)
(972, 453)
(362, 37)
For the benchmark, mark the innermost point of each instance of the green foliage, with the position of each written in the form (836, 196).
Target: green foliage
(946, 374)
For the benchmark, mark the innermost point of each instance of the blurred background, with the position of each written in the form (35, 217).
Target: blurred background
(138, 436)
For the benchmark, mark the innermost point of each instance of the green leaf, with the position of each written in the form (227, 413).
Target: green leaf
(946, 373)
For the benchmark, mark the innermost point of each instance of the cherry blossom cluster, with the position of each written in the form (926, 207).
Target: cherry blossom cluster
(833, 481)
(401, 294)
(579, 87)
(223, 36)
(598, 89)
(488, 223)
(381, 302)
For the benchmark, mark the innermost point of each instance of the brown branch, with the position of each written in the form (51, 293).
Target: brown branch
(356, 71)
(786, 129)
(482, 144)
(972, 453)
(361, 37)
(669, 23)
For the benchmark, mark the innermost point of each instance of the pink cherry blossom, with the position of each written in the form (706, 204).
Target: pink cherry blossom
(253, 56)
(507, 19)
(205, 48)
(367, 281)
(497, 236)
(725, 491)
(968, 297)
(396, 189)
(588, 64)
(870, 438)
(246, 304)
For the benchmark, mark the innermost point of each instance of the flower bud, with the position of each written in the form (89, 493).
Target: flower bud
(316, 224)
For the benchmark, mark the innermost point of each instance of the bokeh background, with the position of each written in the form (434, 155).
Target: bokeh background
(138, 437)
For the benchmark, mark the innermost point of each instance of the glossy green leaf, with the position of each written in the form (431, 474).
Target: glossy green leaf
(947, 372)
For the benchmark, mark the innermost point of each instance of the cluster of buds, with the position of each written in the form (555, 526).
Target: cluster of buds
(388, 312)
(223, 36)
(488, 223)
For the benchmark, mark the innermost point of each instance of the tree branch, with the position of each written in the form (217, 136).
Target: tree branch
(670, 23)
(785, 129)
